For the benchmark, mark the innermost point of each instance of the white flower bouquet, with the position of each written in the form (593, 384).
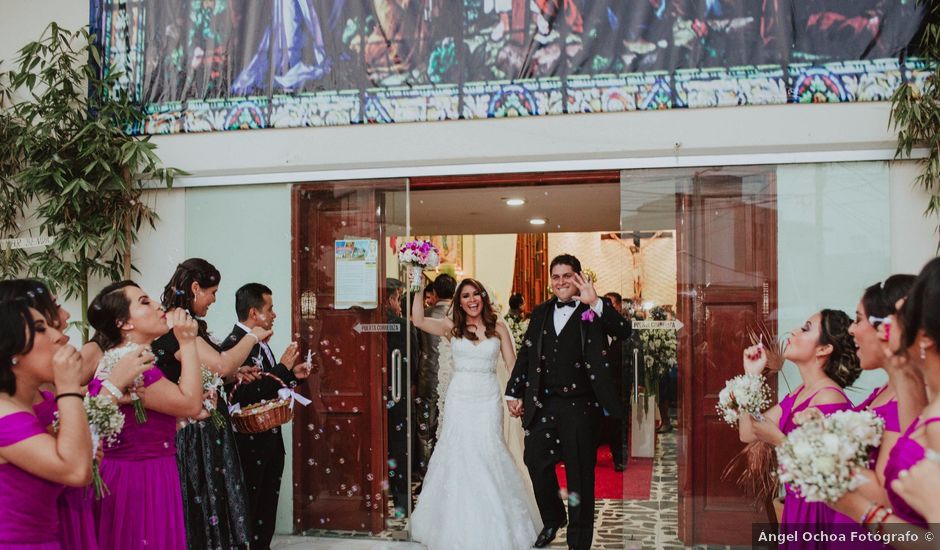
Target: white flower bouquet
(418, 255)
(212, 383)
(517, 327)
(743, 394)
(105, 421)
(821, 458)
(107, 364)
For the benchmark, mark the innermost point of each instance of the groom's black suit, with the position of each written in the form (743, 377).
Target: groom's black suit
(564, 379)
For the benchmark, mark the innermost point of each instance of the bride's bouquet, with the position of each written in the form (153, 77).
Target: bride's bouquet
(107, 364)
(822, 456)
(212, 383)
(105, 421)
(418, 255)
(743, 394)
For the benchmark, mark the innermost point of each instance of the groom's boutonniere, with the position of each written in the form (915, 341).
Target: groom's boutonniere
(588, 316)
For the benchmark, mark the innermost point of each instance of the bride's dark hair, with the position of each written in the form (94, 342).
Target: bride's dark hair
(459, 316)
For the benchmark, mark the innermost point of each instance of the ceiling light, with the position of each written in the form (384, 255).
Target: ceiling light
(538, 221)
(515, 202)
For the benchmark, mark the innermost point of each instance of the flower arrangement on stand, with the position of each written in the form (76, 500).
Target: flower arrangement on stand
(659, 350)
(517, 328)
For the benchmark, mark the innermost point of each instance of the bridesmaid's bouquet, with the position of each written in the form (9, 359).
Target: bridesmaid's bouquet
(821, 458)
(212, 383)
(106, 422)
(418, 255)
(107, 364)
(743, 394)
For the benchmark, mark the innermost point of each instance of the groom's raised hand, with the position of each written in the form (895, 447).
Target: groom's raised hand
(586, 292)
(515, 407)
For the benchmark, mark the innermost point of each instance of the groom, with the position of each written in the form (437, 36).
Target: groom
(561, 379)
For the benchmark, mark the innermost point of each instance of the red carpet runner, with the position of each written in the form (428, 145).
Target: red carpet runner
(632, 484)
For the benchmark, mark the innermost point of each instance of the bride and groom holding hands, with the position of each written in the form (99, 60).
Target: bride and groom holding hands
(474, 496)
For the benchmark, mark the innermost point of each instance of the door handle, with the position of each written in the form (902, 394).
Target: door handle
(636, 375)
(765, 303)
(396, 375)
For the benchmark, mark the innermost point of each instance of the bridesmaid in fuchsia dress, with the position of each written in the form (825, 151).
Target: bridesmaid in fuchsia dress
(824, 353)
(35, 466)
(144, 507)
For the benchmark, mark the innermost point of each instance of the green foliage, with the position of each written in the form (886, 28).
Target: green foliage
(916, 112)
(66, 156)
(13, 197)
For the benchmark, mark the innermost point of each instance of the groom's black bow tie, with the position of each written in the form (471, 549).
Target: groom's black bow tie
(572, 303)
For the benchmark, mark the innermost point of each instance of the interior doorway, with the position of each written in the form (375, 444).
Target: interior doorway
(645, 236)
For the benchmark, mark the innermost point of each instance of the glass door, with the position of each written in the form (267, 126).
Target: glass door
(351, 455)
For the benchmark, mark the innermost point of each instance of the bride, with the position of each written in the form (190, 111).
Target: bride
(473, 495)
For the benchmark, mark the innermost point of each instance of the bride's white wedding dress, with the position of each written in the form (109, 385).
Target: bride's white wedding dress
(474, 496)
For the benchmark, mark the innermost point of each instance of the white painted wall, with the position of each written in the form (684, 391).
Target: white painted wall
(494, 263)
(914, 237)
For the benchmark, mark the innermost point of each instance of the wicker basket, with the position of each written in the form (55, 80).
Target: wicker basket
(263, 416)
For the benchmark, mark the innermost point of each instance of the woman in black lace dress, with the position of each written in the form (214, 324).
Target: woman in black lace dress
(214, 503)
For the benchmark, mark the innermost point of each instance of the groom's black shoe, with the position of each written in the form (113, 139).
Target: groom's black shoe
(548, 535)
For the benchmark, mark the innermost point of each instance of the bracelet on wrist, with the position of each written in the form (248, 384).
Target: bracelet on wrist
(69, 394)
(871, 508)
(870, 514)
(112, 389)
(932, 456)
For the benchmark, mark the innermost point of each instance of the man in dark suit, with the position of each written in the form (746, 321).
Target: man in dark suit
(429, 360)
(561, 379)
(397, 410)
(615, 429)
(262, 454)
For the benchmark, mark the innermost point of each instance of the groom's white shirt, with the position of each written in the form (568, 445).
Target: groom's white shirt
(562, 314)
(560, 319)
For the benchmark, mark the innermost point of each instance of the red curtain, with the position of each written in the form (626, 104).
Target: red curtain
(530, 276)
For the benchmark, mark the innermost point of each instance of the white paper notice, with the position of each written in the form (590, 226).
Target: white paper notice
(356, 276)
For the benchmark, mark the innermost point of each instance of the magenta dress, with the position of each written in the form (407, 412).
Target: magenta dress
(887, 412)
(76, 517)
(801, 516)
(906, 453)
(145, 508)
(27, 502)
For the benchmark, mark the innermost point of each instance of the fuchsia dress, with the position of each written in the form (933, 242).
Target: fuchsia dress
(798, 515)
(906, 453)
(27, 502)
(76, 518)
(145, 508)
(887, 411)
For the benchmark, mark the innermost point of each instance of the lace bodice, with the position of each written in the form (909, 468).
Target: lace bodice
(476, 358)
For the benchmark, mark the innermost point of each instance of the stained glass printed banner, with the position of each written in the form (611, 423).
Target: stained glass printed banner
(209, 65)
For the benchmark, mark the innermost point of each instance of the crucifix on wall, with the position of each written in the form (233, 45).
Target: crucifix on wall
(634, 238)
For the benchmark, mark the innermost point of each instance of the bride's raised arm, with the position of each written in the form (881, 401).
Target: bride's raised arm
(507, 346)
(437, 327)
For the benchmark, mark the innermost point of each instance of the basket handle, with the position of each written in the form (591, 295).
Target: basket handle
(268, 374)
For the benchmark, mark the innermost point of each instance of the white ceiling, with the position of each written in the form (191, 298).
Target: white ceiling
(568, 208)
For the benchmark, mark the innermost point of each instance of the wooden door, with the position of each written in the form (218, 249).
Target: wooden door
(727, 284)
(340, 447)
